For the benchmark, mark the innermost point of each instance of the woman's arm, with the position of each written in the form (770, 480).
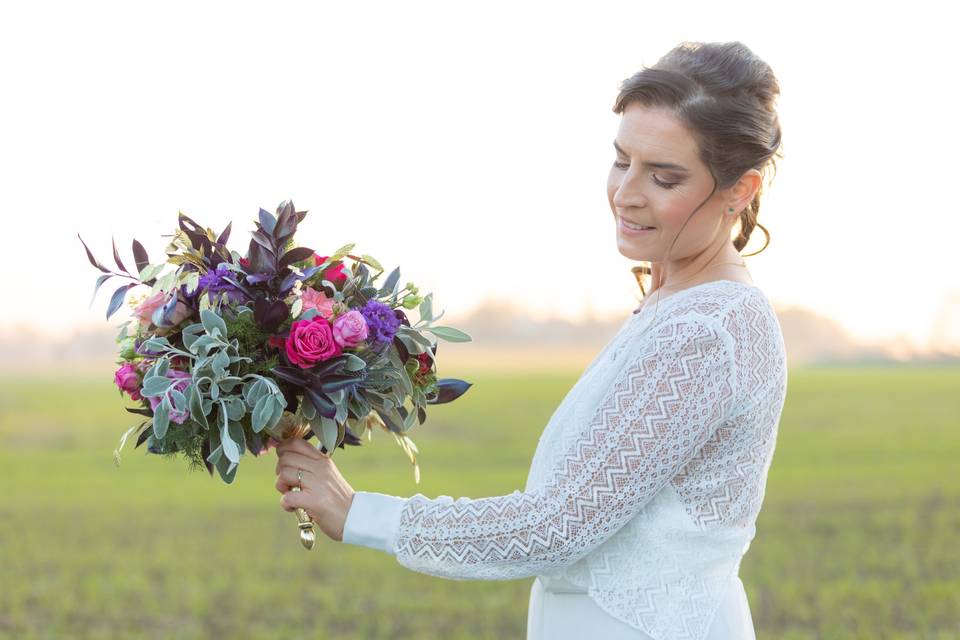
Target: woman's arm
(664, 405)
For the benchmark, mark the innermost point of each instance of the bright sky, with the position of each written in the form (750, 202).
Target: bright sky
(468, 143)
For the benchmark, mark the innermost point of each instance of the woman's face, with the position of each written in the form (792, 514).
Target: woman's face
(657, 181)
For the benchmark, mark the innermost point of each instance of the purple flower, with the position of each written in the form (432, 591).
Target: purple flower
(214, 282)
(182, 382)
(381, 322)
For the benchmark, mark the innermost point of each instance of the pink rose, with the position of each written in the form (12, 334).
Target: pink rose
(144, 311)
(182, 382)
(318, 300)
(127, 380)
(350, 329)
(311, 341)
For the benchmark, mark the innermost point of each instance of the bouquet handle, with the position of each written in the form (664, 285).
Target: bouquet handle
(305, 523)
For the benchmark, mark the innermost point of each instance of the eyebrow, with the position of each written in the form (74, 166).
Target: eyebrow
(655, 165)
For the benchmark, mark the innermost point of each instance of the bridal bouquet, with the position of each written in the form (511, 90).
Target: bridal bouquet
(223, 350)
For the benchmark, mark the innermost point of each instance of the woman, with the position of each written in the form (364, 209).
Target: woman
(644, 490)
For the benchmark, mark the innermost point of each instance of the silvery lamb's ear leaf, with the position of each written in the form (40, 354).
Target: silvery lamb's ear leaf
(196, 406)
(155, 386)
(161, 419)
(262, 412)
(212, 321)
(236, 435)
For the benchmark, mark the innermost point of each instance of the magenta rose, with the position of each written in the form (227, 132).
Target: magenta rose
(350, 329)
(182, 382)
(311, 341)
(127, 380)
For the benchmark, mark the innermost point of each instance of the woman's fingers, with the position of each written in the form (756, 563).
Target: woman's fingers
(292, 459)
(299, 445)
(287, 479)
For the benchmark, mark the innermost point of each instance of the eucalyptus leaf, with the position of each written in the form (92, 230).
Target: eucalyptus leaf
(449, 334)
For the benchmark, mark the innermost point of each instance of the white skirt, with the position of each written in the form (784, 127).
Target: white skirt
(574, 616)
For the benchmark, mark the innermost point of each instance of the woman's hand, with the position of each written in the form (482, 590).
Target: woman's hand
(324, 494)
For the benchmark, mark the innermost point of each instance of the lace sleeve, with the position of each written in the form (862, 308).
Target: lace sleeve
(663, 406)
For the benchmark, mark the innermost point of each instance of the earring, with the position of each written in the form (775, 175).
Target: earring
(730, 209)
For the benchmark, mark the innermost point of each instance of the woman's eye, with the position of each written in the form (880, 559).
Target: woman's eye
(665, 185)
(657, 181)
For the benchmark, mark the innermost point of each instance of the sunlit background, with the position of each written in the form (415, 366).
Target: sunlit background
(469, 144)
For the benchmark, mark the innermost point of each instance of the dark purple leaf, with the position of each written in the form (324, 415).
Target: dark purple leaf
(257, 278)
(143, 436)
(96, 287)
(140, 411)
(116, 257)
(295, 255)
(293, 375)
(254, 442)
(286, 220)
(93, 260)
(264, 241)
(140, 256)
(242, 288)
(269, 314)
(301, 215)
(389, 422)
(225, 234)
(267, 221)
(343, 382)
(117, 298)
(322, 403)
(449, 389)
(205, 452)
(421, 415)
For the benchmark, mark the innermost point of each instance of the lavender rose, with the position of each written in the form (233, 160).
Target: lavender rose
(311, 341)
(350, 329)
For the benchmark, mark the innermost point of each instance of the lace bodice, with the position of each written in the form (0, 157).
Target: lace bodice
(646, 482)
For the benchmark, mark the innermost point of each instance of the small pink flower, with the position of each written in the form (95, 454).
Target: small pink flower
(311, 341)
(144, 311)
(127, 380)
(313, 299)
(350, 329)
(182, 379)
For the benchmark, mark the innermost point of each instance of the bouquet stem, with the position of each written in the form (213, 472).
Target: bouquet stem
(289, 427)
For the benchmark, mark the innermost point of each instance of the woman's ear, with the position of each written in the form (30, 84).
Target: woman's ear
(741, 193)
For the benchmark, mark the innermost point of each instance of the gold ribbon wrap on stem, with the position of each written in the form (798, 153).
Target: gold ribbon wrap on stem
(293, 426)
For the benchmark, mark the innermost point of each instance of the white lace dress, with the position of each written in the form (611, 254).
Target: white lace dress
(644, 489)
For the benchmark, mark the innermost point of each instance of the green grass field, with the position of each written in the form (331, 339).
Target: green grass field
(858, 536)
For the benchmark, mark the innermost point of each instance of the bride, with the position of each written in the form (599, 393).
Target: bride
(644, 490)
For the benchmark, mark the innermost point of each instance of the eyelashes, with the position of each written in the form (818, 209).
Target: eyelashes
(659, 183)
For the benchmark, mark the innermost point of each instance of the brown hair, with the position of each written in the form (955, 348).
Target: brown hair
(725, 95)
